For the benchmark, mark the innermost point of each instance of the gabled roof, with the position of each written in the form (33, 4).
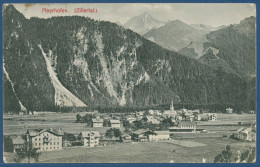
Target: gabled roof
(18, 140)
(35, 132)
(113, 121)
(240, 129)
(125, 135)
(140, 131)
(162, 132)
(229, 109)
(90, 133)
(246, 130)
(97, 120)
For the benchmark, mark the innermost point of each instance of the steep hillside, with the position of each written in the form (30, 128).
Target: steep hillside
(231, 48)
(176, 35)
(236, 46)
(77, 61)
(143, 23)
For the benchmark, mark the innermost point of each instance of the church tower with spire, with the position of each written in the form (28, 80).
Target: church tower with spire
(172, 107)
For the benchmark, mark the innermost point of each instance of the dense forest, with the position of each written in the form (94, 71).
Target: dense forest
(108, 66)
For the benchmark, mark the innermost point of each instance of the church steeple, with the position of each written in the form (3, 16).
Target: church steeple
(172, 107)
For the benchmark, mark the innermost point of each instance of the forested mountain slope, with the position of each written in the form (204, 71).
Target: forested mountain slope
(49, 61)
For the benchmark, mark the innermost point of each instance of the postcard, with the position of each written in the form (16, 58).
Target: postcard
(129, 83)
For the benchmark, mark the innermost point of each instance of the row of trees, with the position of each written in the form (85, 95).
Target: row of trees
(144, 124)
(113, 132)
(85, 119)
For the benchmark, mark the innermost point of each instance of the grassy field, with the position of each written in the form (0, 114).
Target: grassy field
(18, 124)
(189, 151)
(189, 147)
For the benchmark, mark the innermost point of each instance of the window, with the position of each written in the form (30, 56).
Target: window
(39, 139)
(50, 143)
(39, 144)
(35, 144)
(58, 143)
(53, 143)
(53, 147)
(35, 139)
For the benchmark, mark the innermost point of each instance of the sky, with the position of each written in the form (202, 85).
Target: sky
(214, 14)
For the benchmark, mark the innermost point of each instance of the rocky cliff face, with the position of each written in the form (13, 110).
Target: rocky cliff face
(77, 61)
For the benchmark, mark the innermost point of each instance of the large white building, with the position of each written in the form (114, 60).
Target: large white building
(90, 138)
(45, 139)
(97, 122)
(245, 134)
(183, 129)
(115, 123)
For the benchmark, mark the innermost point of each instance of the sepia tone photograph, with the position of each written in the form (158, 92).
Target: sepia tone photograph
(129, 83)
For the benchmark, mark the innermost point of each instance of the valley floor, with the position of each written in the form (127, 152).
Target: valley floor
(182, 148)
(173, 151)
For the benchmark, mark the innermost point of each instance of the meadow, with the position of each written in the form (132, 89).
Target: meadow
(192, 151)
(183, 148)
(18, 124)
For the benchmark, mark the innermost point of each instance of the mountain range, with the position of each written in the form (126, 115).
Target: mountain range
(81, 62)
(143, 23)
(231, 48)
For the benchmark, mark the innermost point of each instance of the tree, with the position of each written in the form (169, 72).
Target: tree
(69, 137)
(117, 133)
(113, 132)
(106, 123)
(248, 156)
(126, 123)
(168, 121)
(144, 119)
(8, 144)
(109, 133)
(225, 156)
(28, 152)
(78, 118)
(138, 124)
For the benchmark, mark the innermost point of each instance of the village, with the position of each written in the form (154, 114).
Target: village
(105, 129)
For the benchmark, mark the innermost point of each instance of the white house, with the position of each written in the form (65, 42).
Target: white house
(152, 120)
(97, 122)
(212, 117)
(131, 120)
(140, 113)
(115, 123)
(246, 134)
(229, 110)
(90, 138)
(151, 112)
(163, 135)
(45, 139)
